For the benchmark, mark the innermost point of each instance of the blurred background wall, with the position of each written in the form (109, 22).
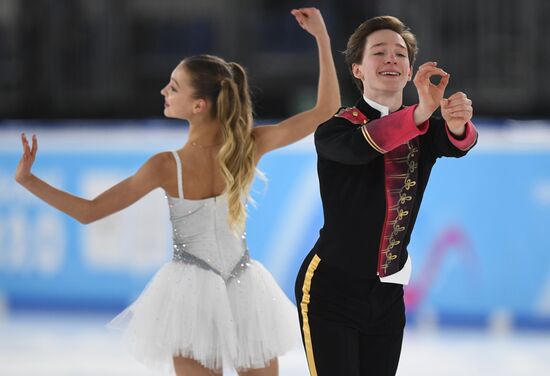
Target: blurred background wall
(110, 58)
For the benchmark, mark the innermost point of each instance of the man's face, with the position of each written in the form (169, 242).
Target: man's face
(385, 68)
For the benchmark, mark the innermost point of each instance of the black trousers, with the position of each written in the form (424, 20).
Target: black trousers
(350, 326)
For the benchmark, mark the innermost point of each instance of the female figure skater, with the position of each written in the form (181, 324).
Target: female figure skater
(212, 305)
(374, 161)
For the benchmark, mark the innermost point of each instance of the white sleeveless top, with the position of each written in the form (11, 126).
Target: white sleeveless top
(202, 235)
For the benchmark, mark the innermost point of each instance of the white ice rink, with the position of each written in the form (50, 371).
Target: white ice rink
(73, 345)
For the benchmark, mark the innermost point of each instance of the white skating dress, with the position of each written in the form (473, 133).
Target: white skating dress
(211, 303)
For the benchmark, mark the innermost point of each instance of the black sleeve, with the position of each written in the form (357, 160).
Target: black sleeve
(342, 141)
(445, 144)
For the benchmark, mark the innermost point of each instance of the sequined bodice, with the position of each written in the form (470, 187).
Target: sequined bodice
(200, 231)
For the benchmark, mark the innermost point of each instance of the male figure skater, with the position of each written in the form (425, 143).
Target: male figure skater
(374, 161)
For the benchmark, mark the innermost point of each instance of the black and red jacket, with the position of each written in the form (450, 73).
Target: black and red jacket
(372, 175)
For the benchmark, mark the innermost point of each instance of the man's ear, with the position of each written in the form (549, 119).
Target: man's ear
(409, 76)
(356, 70)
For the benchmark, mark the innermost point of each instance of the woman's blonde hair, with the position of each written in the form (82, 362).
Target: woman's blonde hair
(225, 86)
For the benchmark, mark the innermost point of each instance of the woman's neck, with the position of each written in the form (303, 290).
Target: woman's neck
(205, 133)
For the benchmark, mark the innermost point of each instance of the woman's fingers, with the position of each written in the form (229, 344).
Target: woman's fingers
(28, 151)
(34, 145)
(303, 15)
(304, 11)
(23, 142)
(26, 148)
(299, 17)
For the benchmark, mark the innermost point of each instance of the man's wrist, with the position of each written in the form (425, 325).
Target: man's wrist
(421, 115)
(458, 132)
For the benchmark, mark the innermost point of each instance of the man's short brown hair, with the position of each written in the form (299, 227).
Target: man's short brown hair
(357, 40)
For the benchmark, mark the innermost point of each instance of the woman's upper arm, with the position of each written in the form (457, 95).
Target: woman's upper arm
(288, 131)
(151, 175)
(266, 139)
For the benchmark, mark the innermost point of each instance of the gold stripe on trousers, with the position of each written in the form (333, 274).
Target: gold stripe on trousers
(306, 288)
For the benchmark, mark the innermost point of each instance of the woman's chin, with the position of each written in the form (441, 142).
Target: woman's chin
(170, 115)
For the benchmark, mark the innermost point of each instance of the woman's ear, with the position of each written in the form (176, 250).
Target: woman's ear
(199, 106)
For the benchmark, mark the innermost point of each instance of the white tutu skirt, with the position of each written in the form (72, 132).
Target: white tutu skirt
(191, 312)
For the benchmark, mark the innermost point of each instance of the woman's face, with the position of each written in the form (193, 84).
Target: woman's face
(178, 96)
(385, 67)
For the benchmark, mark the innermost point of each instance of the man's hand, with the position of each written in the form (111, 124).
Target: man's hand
(429, 95)
(457, 110)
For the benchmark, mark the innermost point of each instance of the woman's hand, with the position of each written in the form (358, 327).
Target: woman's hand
(270, 137)
(311, 20)
(23, 171)
(151, 175)
(429, 95)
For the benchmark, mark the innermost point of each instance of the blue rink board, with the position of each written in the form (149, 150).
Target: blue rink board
(483, 224)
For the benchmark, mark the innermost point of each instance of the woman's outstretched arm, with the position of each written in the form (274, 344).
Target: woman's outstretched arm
(116, 198)
(328, 92)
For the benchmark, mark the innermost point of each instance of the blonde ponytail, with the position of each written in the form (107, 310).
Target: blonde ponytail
(226, 87)
(236, 156)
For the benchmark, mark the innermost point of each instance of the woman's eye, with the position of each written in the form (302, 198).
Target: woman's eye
(401, 55)
(173, 89)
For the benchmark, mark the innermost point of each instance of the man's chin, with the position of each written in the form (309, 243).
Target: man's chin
(391, 88)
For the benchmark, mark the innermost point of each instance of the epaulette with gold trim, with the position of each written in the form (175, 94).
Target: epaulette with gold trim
(353, 115)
